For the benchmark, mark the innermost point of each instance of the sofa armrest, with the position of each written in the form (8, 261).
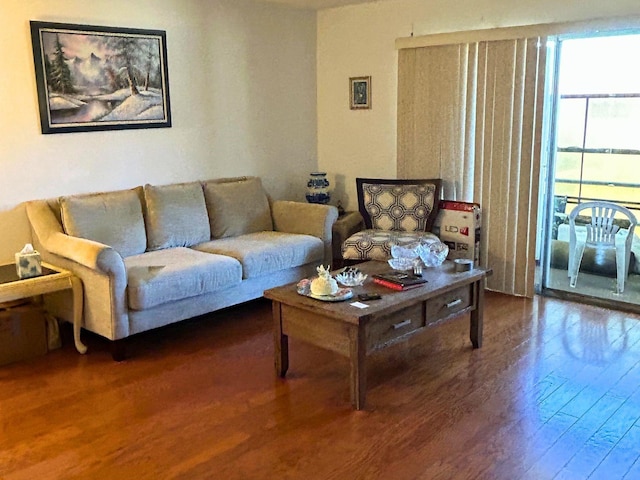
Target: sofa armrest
(346, 225)
(93, 255)
(88, 253)
(306, 218)
(99, 266)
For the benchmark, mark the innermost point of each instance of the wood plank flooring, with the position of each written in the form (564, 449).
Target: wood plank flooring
(554, 393)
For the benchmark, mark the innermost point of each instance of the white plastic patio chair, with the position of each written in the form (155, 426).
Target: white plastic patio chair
(601, 234)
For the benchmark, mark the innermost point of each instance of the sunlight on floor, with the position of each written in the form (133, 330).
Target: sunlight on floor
(597, 286)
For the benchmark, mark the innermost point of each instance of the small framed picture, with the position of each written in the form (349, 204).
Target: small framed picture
(359, 92)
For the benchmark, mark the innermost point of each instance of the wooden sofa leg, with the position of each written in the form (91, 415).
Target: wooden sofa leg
(118, 350)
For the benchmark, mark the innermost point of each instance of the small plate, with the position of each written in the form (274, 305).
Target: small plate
(342, 294)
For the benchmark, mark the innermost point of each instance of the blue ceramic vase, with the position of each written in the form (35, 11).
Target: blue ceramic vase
(318, 188)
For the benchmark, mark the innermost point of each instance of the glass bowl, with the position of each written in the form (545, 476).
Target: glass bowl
(404, 251)
(402, 263)
(351, 277)
(433, 254)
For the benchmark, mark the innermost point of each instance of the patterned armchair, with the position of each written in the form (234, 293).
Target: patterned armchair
(396, 212)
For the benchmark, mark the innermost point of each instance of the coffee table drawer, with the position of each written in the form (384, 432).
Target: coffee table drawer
(448, 304)
(395, 325)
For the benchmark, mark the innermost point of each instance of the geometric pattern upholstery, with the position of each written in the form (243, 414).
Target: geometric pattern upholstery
(395, 211)
(374, 244)
(403, 208)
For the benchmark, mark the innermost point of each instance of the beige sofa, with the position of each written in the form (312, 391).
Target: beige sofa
(155, 255)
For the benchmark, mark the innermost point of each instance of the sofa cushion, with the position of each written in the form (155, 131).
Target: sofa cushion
(262, 253)
(112, 218)
(163, 276)
(237, 207)
(176, 215)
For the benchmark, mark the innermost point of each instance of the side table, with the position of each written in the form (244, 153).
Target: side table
(346, 225)
(53, 279)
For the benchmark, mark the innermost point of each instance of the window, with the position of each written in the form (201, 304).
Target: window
(597, 130)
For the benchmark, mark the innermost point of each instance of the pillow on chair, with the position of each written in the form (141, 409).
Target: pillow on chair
(398, 204)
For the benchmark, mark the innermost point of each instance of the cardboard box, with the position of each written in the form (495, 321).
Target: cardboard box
(23, 333)
(458, 226)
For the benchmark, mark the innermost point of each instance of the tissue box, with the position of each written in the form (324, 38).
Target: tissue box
(28, 265)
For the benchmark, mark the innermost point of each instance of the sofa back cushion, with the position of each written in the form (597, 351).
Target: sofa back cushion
(176, 215)
(237, 206)
(112, 218)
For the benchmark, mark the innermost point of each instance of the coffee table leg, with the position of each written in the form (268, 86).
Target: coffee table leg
(281, 342)
(477, 315)
(78, 300)
(357, 359)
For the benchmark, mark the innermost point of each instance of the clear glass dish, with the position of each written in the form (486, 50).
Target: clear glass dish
(433, 254)
(351, 277)
(402, 263)
(404, 251)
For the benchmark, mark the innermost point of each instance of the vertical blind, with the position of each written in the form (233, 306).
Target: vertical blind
(471, 114)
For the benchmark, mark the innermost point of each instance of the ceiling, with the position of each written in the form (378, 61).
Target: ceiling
(317, 4)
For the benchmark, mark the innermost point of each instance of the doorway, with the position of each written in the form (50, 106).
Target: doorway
(593, 145)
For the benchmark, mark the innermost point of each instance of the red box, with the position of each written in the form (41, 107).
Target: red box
(458, 225)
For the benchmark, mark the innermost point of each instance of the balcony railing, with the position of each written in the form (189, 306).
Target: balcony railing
(579, 189)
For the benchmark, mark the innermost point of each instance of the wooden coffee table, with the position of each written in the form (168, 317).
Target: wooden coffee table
(355, 333)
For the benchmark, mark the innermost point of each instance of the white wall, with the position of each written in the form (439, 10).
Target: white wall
(243, 98)
(360, 40)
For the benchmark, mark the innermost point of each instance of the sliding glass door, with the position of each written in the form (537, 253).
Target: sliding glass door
(594, 155)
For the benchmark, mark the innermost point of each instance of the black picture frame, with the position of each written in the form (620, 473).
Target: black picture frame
(359, 93)
(93, 78)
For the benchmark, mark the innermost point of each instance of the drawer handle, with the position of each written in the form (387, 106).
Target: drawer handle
(454, 303)
(401, 324)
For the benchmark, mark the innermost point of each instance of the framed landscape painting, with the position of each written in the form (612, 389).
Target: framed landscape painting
(100, 78)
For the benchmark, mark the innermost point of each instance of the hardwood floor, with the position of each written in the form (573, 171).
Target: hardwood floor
(553, 393)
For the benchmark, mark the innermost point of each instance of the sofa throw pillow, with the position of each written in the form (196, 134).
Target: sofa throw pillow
(237, 207)
(399, 207)
(111, 218)
(176, 215)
